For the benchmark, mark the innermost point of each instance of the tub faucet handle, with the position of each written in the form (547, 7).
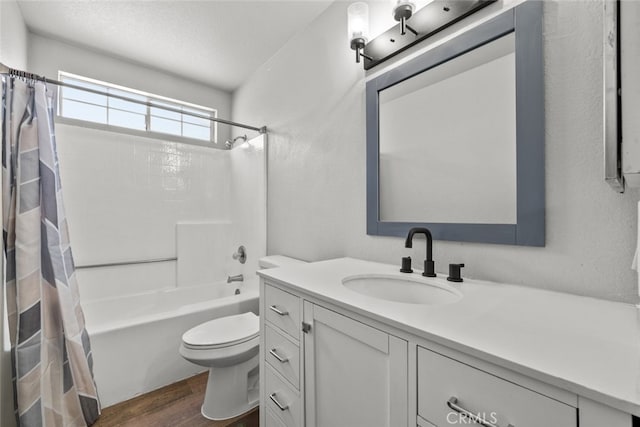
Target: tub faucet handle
(240, 255)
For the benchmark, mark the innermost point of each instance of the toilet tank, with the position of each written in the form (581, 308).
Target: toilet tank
(273, 261)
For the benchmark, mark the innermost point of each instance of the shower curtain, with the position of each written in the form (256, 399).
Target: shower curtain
(50, 349)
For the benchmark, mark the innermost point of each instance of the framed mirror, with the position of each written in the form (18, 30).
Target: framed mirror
(455, 137)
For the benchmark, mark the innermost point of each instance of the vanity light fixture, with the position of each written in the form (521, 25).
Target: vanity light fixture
(426, 21)
(358, 28)
(402, 11)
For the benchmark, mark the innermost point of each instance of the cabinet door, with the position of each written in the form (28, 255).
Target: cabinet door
(355, 375)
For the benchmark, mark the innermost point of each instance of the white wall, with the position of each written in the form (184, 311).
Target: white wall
(311, 96)
(13, 36)
(48, 56)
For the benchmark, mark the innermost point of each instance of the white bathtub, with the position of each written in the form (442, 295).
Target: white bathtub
(135, 339)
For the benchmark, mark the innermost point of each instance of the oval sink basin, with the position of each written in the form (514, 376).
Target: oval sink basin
(405, 289)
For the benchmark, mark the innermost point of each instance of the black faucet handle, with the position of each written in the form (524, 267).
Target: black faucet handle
(406, 265)
(454, 273)
(429, 268)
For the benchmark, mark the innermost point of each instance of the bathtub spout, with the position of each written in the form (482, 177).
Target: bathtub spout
(236, 278)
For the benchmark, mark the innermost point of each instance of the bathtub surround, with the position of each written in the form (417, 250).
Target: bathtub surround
(311, 93)
(50, 345)
(248, 198)
(125, 195)
(202, 249)
(162, 201)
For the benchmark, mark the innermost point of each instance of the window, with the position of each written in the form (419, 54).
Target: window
(166, 116)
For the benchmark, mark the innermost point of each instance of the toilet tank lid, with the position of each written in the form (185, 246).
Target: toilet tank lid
(273, 261)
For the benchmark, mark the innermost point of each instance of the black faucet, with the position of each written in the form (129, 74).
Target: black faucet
(429, 265)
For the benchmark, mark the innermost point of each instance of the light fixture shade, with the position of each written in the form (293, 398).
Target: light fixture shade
(358, 21)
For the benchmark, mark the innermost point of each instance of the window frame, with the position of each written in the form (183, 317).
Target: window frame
(159, 100)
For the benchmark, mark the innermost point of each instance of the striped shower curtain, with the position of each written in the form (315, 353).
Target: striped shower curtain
(51, 354)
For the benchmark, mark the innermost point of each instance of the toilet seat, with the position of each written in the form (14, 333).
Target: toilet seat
(223, 332)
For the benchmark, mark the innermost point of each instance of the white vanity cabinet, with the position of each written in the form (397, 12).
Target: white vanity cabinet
(323, 365)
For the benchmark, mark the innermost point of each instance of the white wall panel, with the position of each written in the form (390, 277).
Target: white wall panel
(203, 250)
(124, 194)
(249, 202)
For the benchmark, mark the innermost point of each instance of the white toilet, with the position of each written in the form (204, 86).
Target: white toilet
(228, 346)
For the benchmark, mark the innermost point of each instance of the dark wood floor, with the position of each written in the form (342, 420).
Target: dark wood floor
(176, 405)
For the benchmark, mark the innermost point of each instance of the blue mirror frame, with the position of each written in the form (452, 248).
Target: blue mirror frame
(525, 20)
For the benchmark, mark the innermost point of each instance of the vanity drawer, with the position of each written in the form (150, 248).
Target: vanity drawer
(445, 384)
(282, 399)
(283, 355)
(282, 310)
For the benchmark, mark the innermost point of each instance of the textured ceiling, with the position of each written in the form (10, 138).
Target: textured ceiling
(219, 43)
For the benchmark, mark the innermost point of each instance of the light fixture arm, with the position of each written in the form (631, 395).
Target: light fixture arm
(402, 13)
(404, 27)
(357, 44)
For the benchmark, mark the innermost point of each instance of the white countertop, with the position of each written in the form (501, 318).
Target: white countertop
(585, 345)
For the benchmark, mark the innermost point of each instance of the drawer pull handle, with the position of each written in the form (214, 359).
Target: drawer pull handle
(452, 403)
(277, 356)
(278, 311)
(282, 407)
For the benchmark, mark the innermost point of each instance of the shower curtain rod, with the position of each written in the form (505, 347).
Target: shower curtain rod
(18, 73)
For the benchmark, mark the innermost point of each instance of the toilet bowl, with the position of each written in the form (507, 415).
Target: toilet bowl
(228, 346)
